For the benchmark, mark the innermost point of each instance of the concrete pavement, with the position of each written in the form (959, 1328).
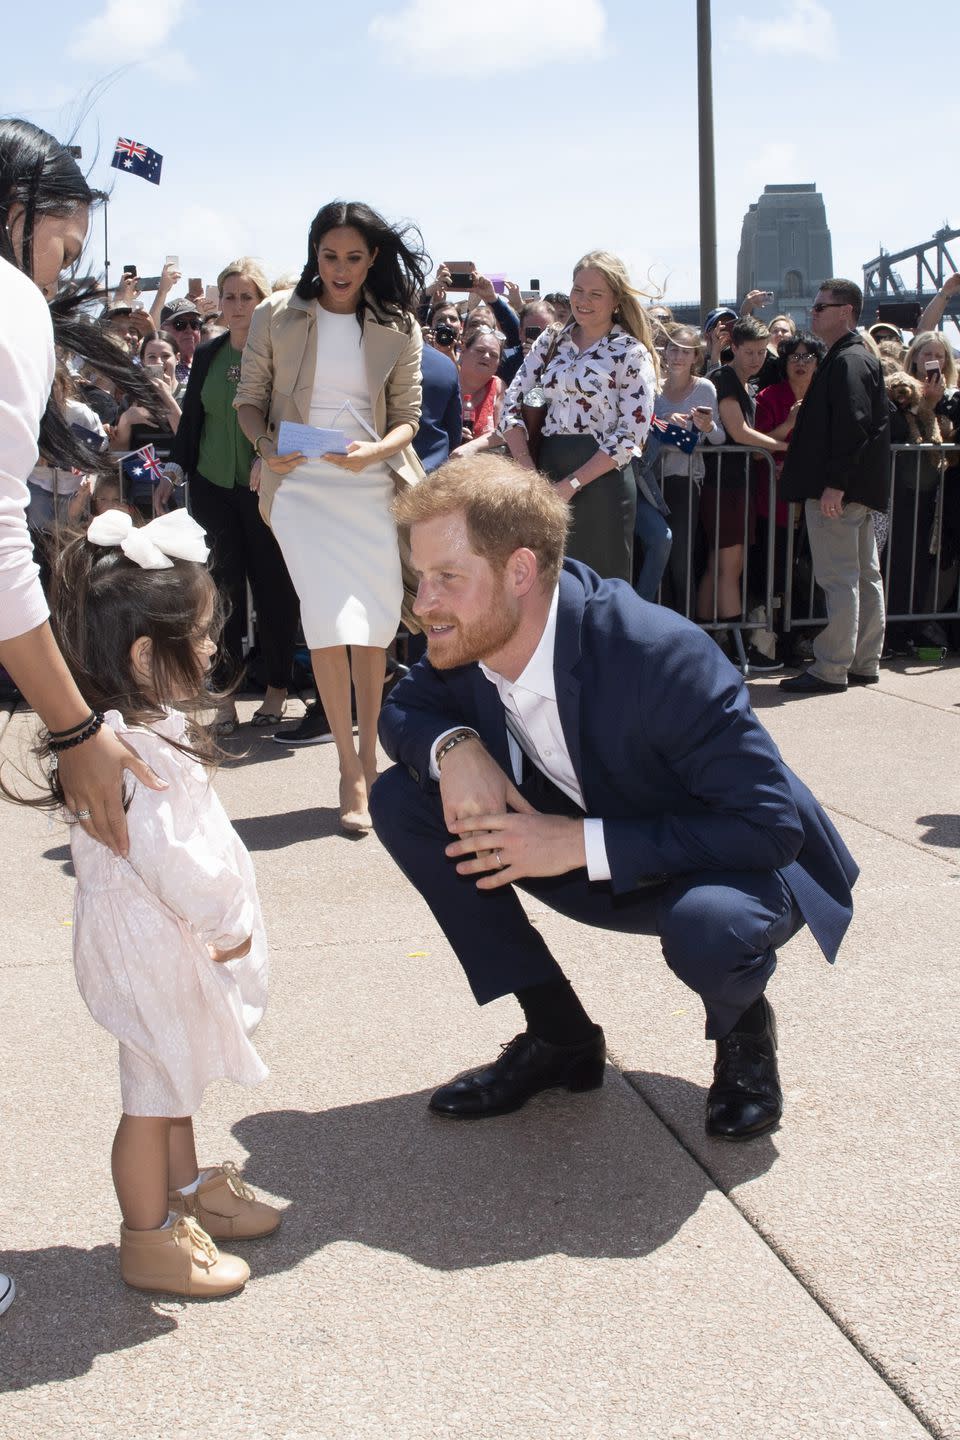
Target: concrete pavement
(591, 1266)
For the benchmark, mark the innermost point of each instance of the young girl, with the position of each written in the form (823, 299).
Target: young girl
(169, 945)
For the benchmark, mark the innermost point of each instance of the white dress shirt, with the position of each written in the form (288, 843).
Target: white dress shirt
(533, 728)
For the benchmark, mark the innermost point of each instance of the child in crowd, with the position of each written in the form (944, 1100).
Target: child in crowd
(169, 946)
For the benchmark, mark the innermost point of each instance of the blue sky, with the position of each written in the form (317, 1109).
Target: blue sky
(516, 133)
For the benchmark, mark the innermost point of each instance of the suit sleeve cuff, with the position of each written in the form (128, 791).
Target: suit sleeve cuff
(598, 866)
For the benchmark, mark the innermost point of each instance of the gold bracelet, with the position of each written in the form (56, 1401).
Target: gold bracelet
(256, 444)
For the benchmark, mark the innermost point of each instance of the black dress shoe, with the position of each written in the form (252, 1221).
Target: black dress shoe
(745, 1099)
(524, 1067)
(854, 679)
(807, 684)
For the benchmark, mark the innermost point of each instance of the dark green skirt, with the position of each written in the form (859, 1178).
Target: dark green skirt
(602, 514)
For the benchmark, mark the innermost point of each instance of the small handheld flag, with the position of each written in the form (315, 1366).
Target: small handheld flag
(137, 159)
(143, 465)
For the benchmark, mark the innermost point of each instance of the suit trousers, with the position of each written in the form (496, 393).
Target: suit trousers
(242, 547)
(719, 930)
(847, 569)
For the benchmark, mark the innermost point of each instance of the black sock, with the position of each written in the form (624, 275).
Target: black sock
(554, 1013)
(754, 1019)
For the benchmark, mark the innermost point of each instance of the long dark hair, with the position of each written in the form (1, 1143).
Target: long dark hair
(102, 602)
(397, 276)
(40, 174)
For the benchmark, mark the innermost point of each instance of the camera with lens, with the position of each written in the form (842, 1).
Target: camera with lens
(444, 334)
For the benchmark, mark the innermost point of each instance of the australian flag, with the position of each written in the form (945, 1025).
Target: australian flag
(137, 159)
(143, 467)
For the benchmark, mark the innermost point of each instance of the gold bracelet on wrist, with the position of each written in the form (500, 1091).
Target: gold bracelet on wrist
(256, 444)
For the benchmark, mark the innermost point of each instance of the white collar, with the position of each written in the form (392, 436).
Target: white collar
(537, 675)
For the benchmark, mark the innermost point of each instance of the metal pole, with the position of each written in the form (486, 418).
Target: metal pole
(106, 254)
(708, 183)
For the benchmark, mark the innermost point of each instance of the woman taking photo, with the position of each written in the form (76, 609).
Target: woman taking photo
(217, 457)
(44, 214)
(599, 379)
(342, 351)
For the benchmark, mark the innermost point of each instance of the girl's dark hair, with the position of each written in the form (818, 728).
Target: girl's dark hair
(152, 340)
(40, 174)
(102, 602)
(398, 274)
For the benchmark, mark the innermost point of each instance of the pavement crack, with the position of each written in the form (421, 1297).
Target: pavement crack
(876, 1364)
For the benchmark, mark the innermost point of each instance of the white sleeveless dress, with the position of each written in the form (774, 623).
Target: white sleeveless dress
(334, 527)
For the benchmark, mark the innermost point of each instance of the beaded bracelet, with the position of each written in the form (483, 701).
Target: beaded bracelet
(71, 729)
(90, 729)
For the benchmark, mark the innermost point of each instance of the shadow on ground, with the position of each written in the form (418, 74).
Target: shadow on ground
(593, 1176)
(941, 830)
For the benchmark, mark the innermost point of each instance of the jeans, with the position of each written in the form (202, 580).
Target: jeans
(655, 539)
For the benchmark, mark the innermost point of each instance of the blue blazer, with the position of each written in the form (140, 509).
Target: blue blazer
(667, 749)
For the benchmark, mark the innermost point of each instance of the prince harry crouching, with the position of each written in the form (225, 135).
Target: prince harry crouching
(564, 736)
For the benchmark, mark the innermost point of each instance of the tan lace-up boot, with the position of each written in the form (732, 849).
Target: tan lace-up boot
(179, 1259)
(226, 1207)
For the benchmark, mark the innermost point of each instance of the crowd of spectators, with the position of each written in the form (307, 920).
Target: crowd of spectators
(700, 422)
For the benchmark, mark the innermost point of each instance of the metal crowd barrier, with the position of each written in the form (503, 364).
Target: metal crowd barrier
(760, 473)
(910, 536)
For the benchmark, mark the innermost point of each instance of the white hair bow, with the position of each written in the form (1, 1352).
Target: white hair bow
(151, 546)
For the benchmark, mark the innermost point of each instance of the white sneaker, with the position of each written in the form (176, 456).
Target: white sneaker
(7, 1292)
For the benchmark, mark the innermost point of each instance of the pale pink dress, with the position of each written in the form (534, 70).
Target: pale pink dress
(142, 925)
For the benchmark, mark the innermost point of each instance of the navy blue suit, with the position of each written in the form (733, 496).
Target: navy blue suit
(441, 410)
(713, 843)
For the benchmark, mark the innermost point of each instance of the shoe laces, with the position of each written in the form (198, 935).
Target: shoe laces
(236, 1181)
(187, 1230)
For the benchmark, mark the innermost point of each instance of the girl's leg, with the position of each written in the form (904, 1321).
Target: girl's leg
(369, 672)
(726, 565)
(140, 1164)
(183, 1154)
(332, 673)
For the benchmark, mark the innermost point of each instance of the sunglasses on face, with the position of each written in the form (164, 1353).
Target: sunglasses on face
(802, 359)
(185, 323)
(822, 305)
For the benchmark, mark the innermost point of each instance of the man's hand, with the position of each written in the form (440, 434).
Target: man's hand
(515, 846)
(831, 503)
(472, 783)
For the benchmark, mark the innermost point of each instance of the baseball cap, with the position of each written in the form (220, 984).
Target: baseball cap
(184, 306)
(718, 314)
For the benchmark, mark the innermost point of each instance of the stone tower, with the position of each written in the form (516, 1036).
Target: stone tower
(785, 247)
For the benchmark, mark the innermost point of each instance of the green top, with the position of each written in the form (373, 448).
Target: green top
(225, 452)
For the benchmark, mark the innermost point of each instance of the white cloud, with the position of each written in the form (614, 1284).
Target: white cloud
(129, 31)
(806, 27)
(434, 35)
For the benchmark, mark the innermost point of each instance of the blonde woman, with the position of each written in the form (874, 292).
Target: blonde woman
(217, 458)
(598, 376)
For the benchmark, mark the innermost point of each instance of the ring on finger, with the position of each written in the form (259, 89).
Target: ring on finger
(500, 864)
(83, 814)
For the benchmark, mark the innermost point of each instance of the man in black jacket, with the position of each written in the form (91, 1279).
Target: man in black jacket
(838, 463)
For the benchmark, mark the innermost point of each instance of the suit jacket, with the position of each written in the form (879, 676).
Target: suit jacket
(441, 418)
(280, 362)
(186, 442)
(842, 434)
(666, 747)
